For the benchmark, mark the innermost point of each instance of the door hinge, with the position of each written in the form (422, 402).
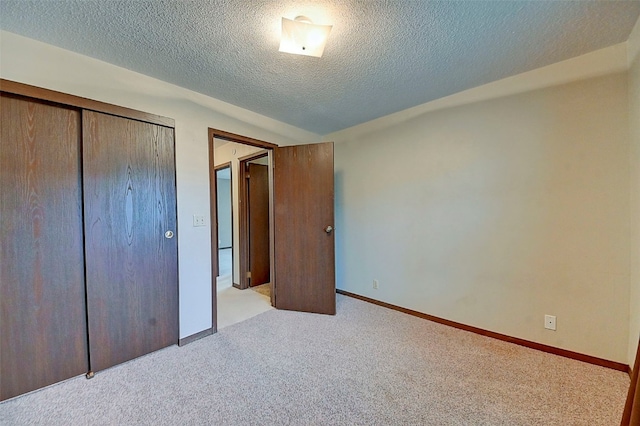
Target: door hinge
(249, 274)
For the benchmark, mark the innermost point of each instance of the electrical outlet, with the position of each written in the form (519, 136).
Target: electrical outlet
(375, 284)
(550, 322)
(198, 220)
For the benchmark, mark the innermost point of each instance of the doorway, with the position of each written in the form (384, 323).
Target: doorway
(244, 248)
(301, 214)
(254, 229)
(225, 225)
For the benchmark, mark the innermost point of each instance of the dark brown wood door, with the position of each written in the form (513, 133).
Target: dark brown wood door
(303, 209)
(129, 196)
(43, 334)
(631, 413)
(259, 259)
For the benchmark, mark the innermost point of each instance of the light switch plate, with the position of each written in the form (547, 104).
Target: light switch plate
(198, 220)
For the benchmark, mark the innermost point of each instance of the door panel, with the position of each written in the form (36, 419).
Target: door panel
(259, 224)
(303, 207)
(43, 334)
(129, 195)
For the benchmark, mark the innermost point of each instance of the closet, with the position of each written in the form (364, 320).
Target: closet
(88, 255)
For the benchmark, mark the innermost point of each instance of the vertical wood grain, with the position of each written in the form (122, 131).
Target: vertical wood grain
(303, 207)
(258, 212)
(244, 237)
(132, 275)
(213, 211)
(631, 413)
(43, 335)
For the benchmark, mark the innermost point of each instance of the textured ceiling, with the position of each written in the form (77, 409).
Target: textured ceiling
(382, 56)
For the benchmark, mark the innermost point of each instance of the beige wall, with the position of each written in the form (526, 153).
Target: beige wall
(496, 213)
(634, 121)
(32, 62)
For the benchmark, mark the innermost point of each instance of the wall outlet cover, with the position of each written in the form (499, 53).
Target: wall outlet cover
(550, 322)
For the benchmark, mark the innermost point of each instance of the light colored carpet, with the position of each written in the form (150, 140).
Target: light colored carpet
(236, 305)
(225, 266)
(225, 261)
(223, 282)
(264, 289)
(365, 366)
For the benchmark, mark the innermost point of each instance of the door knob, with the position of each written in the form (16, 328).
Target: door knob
(168, 234)
(328, 229)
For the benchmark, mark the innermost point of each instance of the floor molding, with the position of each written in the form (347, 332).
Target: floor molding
(522, 342)
(194, 337)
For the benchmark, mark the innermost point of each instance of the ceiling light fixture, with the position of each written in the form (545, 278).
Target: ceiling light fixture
(302, 37)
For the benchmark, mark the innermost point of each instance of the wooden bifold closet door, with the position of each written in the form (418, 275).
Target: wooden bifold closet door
(43, 331)
(130, 243)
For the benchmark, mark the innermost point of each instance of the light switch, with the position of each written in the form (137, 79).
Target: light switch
(198, 220)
